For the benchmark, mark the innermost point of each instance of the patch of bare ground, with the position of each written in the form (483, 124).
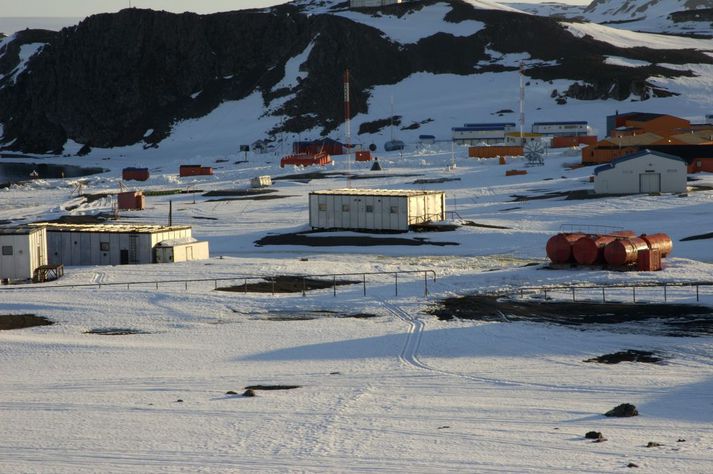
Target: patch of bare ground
(658, 318)
(309, 240)
(286, 284)
(629, 355)
(21, 321)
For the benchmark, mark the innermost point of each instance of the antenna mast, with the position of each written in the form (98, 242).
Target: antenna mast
(348, 124)
(522, 102)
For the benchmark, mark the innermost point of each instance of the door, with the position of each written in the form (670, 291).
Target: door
(189, 253)
(133, 249)
(124, 257)
(650, 183)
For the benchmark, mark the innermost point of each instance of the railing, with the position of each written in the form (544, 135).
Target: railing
(589, 228)
(664, 290)
(244, 279)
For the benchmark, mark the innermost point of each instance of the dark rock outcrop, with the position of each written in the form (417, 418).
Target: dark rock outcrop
(622, 411)
(113, 77)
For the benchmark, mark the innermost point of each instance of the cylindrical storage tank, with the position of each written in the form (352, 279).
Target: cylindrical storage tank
(620, 252)
(590, 249)
(661, 242)
(559, 247)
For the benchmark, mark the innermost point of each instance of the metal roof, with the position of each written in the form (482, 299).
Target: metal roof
(375, 192)
(110, 228)
(634, 156)
(19, 230)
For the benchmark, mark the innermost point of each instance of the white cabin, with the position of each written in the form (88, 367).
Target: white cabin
(181, 250)
(22, 250)
(107, 244)
(375, 209)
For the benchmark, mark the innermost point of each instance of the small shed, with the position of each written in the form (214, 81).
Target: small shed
(643, 172)
(136, 174)
(194, 170)
(261, 182)
(131, 200)
(322, 145)
(23, 249)
(375, 209)
(181, 250)
(107, 244)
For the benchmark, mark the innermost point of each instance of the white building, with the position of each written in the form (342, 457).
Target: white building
(22, 250)
(181, 250)
(107, 244)
(374, 209)
(561, 129)
(476, 133)
(643, 172)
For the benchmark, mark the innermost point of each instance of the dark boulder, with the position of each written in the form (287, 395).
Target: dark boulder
(622, 411)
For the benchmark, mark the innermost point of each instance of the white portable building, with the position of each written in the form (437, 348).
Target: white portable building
(561, 129)
(22, 250)
(476, 133)
(107, 244)
(643, 172)
(181, 250)
(261, 182)
(375, 209)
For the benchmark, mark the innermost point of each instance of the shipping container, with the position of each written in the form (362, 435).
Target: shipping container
(494, 151)
(131, 200)
(194, 170)
(320, 159)
(374, 209)
(136, 174)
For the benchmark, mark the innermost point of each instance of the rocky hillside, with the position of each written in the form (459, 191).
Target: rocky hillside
(125, 78)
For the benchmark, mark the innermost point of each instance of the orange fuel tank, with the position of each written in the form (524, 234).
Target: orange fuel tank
(624, 251)
(559, 247)
(661, 242)
(590, 249)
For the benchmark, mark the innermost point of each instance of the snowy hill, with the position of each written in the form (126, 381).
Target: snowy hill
(691, 17)
(146, 78)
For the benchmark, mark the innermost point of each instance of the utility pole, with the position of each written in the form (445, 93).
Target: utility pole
(348, 126)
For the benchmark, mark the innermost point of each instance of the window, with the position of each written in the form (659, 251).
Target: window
(7, 249)
(394, 209)
(369, 208)
(322, 207)
(104, 246)
(345, 207)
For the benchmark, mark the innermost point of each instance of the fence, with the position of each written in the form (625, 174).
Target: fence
(661, 290)
(244, 279)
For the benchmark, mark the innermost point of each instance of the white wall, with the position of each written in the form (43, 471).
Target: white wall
(183, 252)
(626, 176)
(29, 251)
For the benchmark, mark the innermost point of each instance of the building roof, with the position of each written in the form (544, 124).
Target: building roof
(486, 126)
(110, 228)
(687, 152)
(19, 230)
(582, 122)
(634, 140)
(634, 156)
(375, 192)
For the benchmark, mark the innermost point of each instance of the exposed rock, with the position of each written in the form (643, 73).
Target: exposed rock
(631, 464)
(623, 410)
(653, 444)
(630, 355)
(680, 440)
(114, 76)
(249, 393)
(231, 392)
(593, 435)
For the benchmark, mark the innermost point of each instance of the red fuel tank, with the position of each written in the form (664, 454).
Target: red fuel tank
(660, 242)
(624, 251)
(590, 249)
(559, 247)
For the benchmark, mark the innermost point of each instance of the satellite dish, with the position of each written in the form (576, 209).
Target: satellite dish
(534, 153)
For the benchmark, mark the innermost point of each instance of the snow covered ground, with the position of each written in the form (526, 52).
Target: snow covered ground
(398, 392)
(402, 391)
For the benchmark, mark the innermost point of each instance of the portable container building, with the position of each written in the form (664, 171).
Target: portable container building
(107, 244)
(23, 249)
(363, 156)
(515, 138)
(136, 174)
(564, 142)
(562, 129)
(261, 182)
(194, 170)
(181, 250)
(427, 139)
(313, 147)
(494, 151)
(643, 172)
(474, 133)
(375, 209)
(131, 200)
(320, 159)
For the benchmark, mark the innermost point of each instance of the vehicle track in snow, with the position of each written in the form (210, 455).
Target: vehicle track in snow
(409, 356)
